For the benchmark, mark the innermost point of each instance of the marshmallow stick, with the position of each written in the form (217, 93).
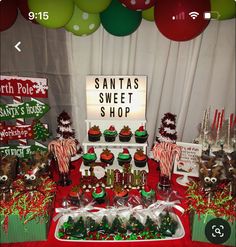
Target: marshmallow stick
(214, 121)
(222, 118)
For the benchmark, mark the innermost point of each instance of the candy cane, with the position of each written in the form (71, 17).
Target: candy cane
(63, 150)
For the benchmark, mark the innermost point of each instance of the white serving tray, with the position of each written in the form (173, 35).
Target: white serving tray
(180, 233)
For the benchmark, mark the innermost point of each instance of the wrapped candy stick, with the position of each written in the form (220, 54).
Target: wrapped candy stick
(214, 121)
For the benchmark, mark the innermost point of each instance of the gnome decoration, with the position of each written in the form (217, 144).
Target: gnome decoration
(167, 131)
(64, 129)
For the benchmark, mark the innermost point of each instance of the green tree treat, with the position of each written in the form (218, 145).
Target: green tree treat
(91, 224)
(117, 226)
(79, 229)
(104, 225)
(40, 132)
(150, 225)
(134, 225)
(168, 225)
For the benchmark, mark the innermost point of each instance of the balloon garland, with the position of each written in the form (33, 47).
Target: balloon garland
(8, 14)
(178, 20)
(24, 10)
(92, 6)
(83, 23)
(54, 13)
(119, 20)
(174, 21)
(148, 14)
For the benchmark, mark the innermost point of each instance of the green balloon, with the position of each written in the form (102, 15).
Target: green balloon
(83, 23)
(52, 13)
(92, 6)
(223, 9)
(119, 20)
(148, 14)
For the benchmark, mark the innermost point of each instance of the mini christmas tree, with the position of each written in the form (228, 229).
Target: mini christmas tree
(104, 225)
(64, 129)
(150, 225)
(167, 131)
(40, 132)
(134, 225)
(117, 226)
(79, 229)
(91, 224)
(168, 225)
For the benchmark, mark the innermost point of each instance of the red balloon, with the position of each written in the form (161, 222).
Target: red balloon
(181, 20)
(8, 14)
(138, 4)
(24, 9)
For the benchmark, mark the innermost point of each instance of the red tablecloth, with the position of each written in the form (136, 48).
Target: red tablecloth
(152, 181)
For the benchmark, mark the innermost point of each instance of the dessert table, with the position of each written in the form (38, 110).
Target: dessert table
(153, 175)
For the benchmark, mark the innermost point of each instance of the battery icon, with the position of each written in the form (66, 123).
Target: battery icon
(207, 15)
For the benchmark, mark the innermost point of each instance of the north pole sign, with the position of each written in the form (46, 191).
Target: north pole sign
(116, 97)
(30, 109)
(23, 86)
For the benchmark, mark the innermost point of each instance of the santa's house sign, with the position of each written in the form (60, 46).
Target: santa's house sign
(116, 97)
(23, 86)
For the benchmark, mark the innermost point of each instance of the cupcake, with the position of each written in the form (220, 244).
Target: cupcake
(120, 192)
(110, 134)
(140, 159)
(107, 156)
(148, 195)
(125, 134)
(141, 135)
(75, 195)
(121, 196)
(94, 134)
(99, 195)
(124, 157)
(89, 157)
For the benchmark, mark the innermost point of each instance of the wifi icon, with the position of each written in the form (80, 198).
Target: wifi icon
(194, 15)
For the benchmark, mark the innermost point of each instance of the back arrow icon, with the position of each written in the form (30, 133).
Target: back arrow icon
(17, 46)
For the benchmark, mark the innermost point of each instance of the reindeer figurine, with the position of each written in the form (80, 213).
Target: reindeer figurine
(209, 173)
(8, 166)
(230, 172)
(35, 168)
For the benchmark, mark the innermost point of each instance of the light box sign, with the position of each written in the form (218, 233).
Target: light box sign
(116, 97)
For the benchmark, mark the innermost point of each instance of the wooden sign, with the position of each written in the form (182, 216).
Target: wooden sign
(30, 109)
(22, 151)
(8, 132)
(116, 97)
(187, 164)
(23, 86)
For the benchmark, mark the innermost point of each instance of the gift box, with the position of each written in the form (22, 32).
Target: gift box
(211, 229)
(26, 215)
(212, 215)
(17, 231)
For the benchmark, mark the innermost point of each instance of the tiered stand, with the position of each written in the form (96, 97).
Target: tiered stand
(116, 147)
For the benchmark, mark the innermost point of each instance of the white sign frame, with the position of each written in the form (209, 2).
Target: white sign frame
(116, 97)
(190, 167)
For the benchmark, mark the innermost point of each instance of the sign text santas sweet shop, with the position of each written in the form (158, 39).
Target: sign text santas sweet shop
(116, 97)
(23, 86)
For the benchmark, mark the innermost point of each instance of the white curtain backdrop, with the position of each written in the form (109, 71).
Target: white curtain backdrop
(183, 77)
